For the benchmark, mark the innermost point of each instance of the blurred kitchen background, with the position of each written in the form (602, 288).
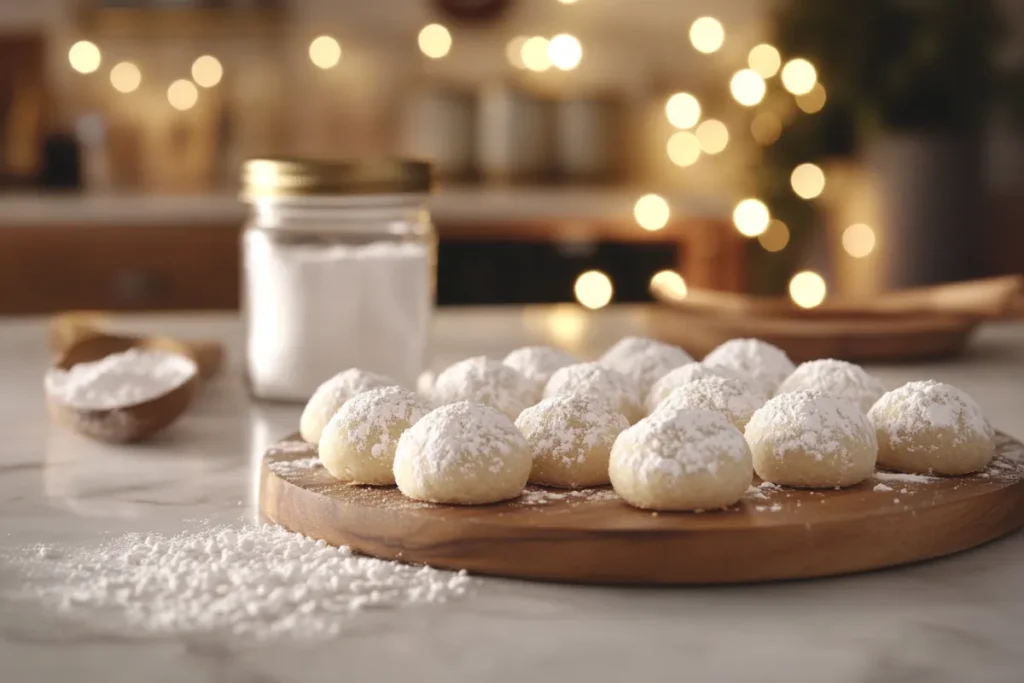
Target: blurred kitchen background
(584, 149)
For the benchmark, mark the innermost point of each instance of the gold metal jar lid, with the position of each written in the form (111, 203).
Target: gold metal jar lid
(292, 177)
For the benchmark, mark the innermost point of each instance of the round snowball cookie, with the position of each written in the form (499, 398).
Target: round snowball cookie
(691, 372)
(538, 363)
(681, 460)
(332, 394)
(482, 380)
(571, 437)
(596, 380)
(463, 453)
(731, 398)
(835, 378)
(932, 428)
(808, 440)
(644, 360)
(768, 365)
(358, 443)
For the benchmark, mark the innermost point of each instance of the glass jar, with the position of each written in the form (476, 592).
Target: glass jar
(338, 270)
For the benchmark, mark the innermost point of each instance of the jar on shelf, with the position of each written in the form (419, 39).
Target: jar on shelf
(338, 270)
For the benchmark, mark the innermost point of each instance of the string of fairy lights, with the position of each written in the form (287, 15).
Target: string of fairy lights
(693, 138)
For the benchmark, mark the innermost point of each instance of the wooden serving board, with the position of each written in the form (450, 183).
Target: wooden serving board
(591, 536)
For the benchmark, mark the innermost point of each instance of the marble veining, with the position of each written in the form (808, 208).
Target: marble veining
(957, 619)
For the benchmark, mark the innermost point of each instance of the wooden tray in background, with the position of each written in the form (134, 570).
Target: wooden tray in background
(914, 324)
(594, 537)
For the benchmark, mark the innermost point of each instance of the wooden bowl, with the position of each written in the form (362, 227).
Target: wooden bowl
(128, 423)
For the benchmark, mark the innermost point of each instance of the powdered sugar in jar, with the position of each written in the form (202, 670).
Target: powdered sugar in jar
(339, 271)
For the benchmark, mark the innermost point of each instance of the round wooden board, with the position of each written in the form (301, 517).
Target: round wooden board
(592, 536)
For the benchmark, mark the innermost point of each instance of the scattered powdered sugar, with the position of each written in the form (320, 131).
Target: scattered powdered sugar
(536, 496)
(119, 380)
(759, 360)
(812, 422)
(594, 379)
(902, 476)
(366, 422)
(538, 363)
(882, 488)
(644, 360)
(482, 380)
(730, 397)
(258, 582)
(301, 465)
(568, 427)
(460, 438)
(835, 378)
(691, 372)
(678, 443)
(917, 407)
(333, 394)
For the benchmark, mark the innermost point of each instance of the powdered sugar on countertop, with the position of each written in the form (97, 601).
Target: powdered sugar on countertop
(677, 443)
(918, 406)
(811, 421)
(570, 425)
(285, 467)
(120, 379)
(255, 581)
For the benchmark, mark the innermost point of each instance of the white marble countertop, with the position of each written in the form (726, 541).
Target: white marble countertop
(449, 205)
(956, 619)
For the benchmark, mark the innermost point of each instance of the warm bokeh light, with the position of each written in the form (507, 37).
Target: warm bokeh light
(766, 128)
(775, 237)
(859, 240)
(747, 87)
(683, 148)
(435, 41)
(514, 52)
(564, 324)
(651, 212)
(207, 71)
(84, 57)
(799, 76)
(751, 217)
(707, 35)
(807, 289)
(683, 110)
(325, 52)
(713, 136)
(565, 52)
(593, 289)
(182, 94)
(568, 2)
(535, 54)
(814, 101)
(125, 77)
(808, 181)
(765, 60)
(669, 283)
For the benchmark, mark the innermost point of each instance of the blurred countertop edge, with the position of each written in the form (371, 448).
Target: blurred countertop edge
(447, 205)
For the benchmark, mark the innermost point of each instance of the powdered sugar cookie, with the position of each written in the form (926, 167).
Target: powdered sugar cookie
(643, 360)
(571, 436)
(593, 379)
(731, 398)
(681, 460)
(538, 362)
(835, 378)
(486, 381)
(759, 360)
(691, 372)
(358, 444)
(463, 453)
(808, 440)
(332, 394)
(931, 427)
